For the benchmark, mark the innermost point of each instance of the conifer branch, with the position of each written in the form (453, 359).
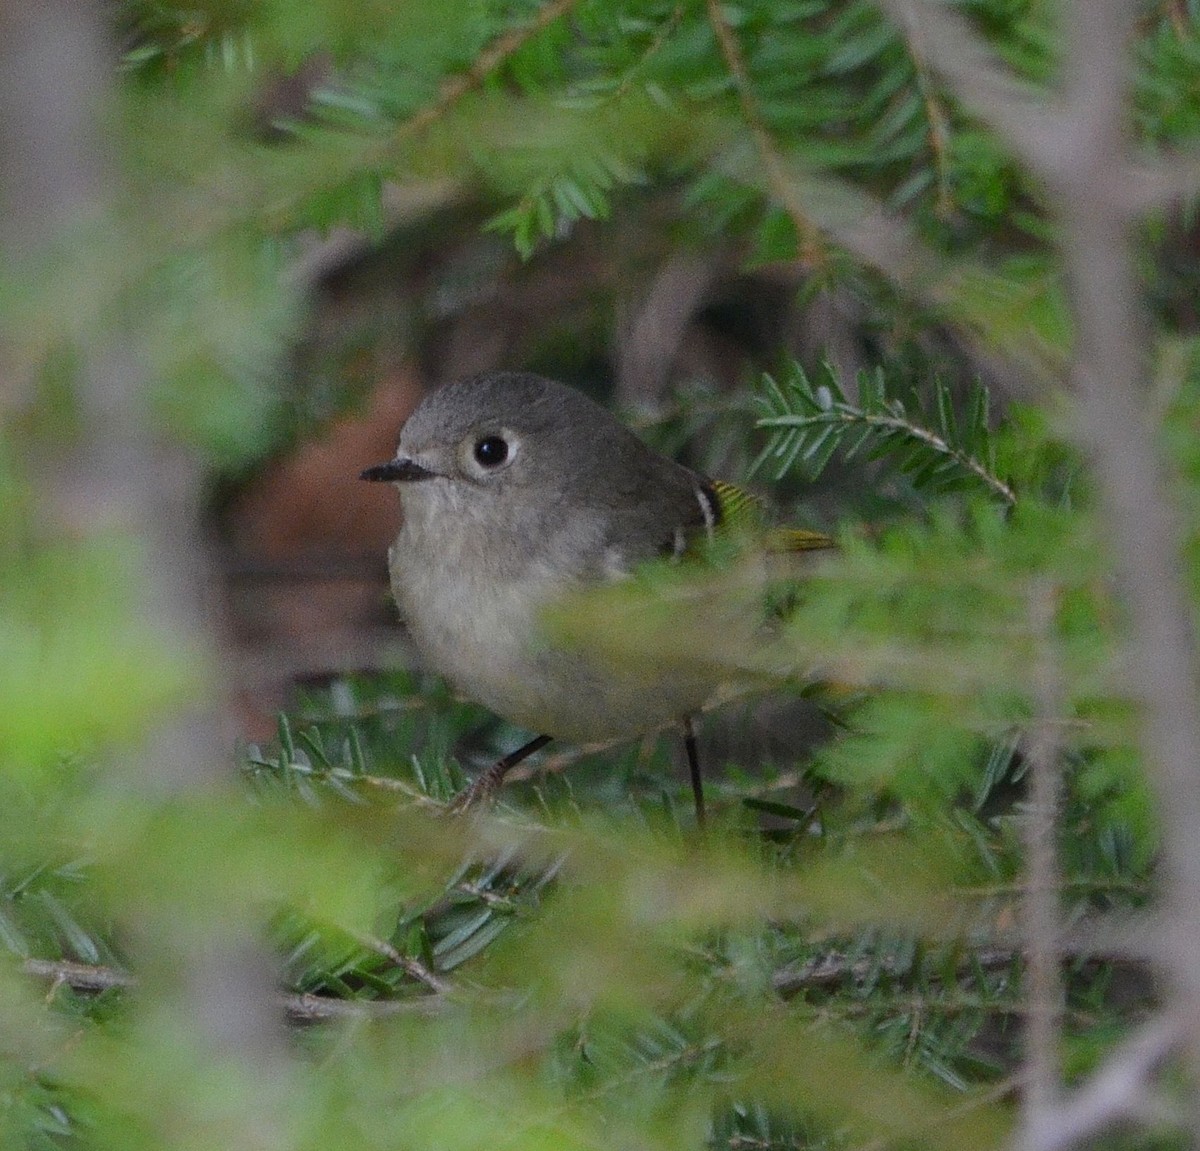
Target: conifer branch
(410, 966)
(781, 184)
(670, 25)
(935, 114)
(812, 423)
(301, 1007)
(488, 61)
(982, 82)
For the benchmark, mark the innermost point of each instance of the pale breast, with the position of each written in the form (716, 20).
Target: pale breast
(483, 633)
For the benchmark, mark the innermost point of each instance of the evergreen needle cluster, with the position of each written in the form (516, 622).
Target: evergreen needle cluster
(941, 922)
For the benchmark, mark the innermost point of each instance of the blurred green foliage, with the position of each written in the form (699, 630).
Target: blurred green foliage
(837, 965)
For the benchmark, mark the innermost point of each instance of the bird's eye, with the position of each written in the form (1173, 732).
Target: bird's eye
(491, 451)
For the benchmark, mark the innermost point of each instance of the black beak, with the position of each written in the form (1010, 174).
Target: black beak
(397, 471)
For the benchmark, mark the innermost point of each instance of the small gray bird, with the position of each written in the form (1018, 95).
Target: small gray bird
(518, 491)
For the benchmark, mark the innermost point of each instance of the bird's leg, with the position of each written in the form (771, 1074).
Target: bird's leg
(693, 758)
(484, 789)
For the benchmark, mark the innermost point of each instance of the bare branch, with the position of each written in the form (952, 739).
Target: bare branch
(1018, 112)
(1158, 182)
(1041, 130)
(122, 479)
(1118, 1093)
(837, 968)
(300, 1008)
(1044, 992)
(1082, 152)
(80, 976)
(317, 1008)
(1111, 365)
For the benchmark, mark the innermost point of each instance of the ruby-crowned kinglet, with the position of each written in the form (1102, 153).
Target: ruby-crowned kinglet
(518, 491)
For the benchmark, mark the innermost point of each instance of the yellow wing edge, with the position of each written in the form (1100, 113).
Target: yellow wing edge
(740, 508)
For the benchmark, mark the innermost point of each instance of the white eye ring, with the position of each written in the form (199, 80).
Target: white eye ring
(485, 454)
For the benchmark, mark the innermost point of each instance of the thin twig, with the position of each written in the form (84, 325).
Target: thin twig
(337, 248)
(491, 58)
(1020, 114)
(117, 478)
(1118, 1093)
(406, 963)
(1044, 991)
(300, 1006)
(660, 38)
(316, 1008)
(1159, 182)
(836, 968)
(1040, 131)
(1081, 150)
(939, 133)
(1112, 364)
(856, 416)
(87, 977)
(782, 186)
(341, 775)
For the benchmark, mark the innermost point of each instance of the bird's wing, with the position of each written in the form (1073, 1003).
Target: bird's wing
(738, 510)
